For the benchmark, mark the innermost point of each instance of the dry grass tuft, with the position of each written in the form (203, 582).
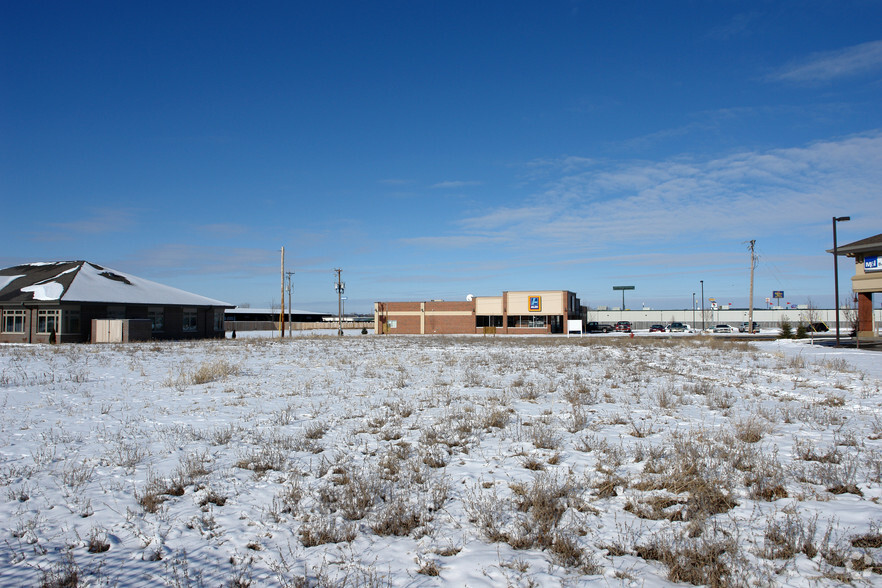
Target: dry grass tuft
(707, 560)
(751, 429)
(319, 530)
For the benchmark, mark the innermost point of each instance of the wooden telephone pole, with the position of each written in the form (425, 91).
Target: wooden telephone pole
(340, 287)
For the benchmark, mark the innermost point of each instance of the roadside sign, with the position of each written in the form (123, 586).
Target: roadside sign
(778, 294)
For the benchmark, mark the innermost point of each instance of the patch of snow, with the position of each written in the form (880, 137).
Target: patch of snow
(6, 280)
(45, 291)
(90, 285)
(116, 464)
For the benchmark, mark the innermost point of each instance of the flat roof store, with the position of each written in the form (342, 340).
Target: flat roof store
(521, 312)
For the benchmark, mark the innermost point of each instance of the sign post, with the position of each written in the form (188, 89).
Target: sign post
(778, 295)
(623, 288)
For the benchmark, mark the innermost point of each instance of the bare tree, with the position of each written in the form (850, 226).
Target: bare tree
(850, 313)
(810, 315)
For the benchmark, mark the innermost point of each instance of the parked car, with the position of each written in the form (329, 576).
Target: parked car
(623, 326)
(656, 328)
(595, 327)
(743, 327)
(722, 329)
(819, 327)
(676, 328)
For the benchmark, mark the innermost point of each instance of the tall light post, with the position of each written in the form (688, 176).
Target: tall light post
(702, 305)
(836, 219)
(693, 310)
(290, 323)
(282, 313)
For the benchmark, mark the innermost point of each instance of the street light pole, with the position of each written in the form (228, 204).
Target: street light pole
(702, 306)
(290, 324)
(693, 310)
(836, 272)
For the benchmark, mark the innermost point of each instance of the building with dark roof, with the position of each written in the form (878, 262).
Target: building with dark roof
(60, 301)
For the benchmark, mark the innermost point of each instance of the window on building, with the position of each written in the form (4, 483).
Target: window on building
(527, 322)
(189, 324)
(14, 321)
(393, 324)
(218, 320)
(71, 321)
(48, 321)
(488, 321)
(156, 314)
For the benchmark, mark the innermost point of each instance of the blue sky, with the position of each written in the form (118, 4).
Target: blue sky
(437, 149)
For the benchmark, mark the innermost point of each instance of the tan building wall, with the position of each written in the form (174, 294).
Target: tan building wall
(460, 317)
(551, 302)
(864, 281)
(865, 284)
(488, 305)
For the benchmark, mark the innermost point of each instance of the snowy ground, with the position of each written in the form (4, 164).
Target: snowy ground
(426, 461)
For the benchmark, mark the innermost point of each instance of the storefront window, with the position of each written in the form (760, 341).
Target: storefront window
(527, 322)
(488, 321)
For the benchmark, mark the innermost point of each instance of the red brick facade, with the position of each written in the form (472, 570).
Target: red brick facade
(508, 314)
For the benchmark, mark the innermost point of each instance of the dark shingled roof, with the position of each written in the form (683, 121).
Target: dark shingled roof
(869, 245)
(82, 281)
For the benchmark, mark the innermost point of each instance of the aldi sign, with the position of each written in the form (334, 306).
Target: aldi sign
(871, 263)
(535, 303)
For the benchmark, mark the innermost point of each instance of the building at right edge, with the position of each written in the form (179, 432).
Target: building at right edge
(515, 313)
(867, 280)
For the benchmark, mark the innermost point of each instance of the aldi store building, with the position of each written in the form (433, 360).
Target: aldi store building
(516, 313)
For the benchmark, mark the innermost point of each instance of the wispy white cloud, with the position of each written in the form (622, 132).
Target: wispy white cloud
(823, 67)
(649, 139)
(568, 163)
(739, 196)
(453, 241)
(100, 220)
(455, 184)
(224, 229)
(738, 26)
(182, 259)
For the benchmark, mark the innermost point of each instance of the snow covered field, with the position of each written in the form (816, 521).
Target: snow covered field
(427, 461)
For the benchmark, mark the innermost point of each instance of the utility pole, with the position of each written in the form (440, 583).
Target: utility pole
(750, 305)
(290, 307)
(340, 287)
(282, 313)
